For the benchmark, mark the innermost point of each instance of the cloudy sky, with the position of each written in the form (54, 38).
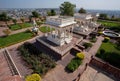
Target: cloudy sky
(87, 4)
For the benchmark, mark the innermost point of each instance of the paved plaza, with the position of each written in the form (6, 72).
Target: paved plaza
(91, 74)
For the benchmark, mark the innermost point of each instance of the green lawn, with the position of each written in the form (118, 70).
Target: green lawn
(109, 47)
(20, 26)
(13, 39)
(45, 29)
(110, 55)
(111, 25)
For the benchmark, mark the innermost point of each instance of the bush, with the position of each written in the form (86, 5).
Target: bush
(74, 64)
(33, 77)
(80, 55)
(106, 39)
(87, 45)
(7, 31)
(39, 62)
(102, 51)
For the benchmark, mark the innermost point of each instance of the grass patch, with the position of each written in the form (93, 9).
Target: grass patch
(109, 53)
(110, 25)
(109, 47)
(13, 39)
(45, 29)
(20, 26)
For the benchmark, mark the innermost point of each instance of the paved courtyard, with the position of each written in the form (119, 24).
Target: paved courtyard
(91, 74)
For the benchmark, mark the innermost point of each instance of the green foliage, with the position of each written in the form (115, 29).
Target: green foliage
(15, 38)
(33, 77)
(111, 25)
(87, 45)
(82, 10)
(35, 14)
(15, 21)
(20, 26)
(80, 55)
(51, 13)
(103, 16)
(74, 64)
(4, 17)
(106, 39)
(7, 31)
(39, 62)
(22, 19)
(67, 9)
(109, 53)
(45, 29)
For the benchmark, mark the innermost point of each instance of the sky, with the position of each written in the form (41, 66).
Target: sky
(87, 4)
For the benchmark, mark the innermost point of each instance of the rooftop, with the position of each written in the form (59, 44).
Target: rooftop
(60, 21)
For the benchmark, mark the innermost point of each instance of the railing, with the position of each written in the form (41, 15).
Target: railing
(11, 63)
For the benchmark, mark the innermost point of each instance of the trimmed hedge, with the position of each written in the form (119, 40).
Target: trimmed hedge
(33, 77)
(87, 45)
(74, 64)
(80, 55)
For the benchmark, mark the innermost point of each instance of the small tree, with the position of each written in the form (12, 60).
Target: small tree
(15, 21)
(103, 16)
(7, 31)
(82, 10)
(35, 14)
(51, 13)
(22, 19)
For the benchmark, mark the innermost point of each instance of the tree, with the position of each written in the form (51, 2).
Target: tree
(4, 17)
(22, 19)
(51, 12)
(103, 16)
(67, 9)
(15, 21)
(35, 14)
(82, 10)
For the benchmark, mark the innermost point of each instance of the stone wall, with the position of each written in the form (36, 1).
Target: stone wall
(105, 66)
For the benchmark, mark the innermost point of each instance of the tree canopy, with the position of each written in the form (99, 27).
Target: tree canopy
(103, 16)
(4, 17)
(35, 14)
(51, 12)
(67, 9)
(82, 10)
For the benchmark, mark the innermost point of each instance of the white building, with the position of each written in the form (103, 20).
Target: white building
(63, 26)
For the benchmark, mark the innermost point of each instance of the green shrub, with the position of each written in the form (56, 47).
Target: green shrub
(40, 63)
(87, 45)
(106, 39)
(74, 64)
(80, 55)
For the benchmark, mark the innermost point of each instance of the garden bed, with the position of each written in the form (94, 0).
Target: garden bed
(39, 62)
(111, 25)
(15, 38)
(109, 52)
(46, 29)
(20, 26)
